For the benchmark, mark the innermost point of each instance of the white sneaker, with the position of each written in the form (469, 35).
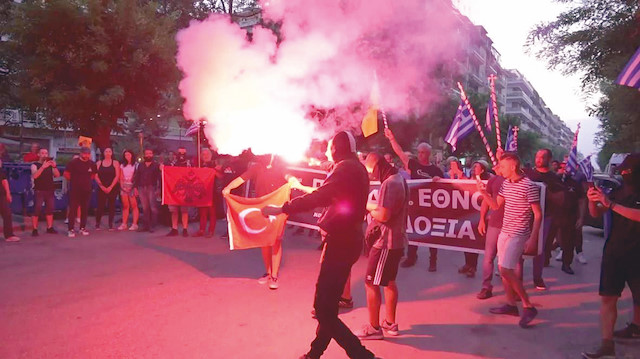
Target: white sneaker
(368, 332)
(134, 227)
(83, 231)
(122, 227)
(581, 258)
(559, 256)
(264, 279)
(12, 239)
(66, 221)
(273, 283)
(71, 234)
(389, 328)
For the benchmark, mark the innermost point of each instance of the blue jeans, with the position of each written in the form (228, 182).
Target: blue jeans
(149, 205)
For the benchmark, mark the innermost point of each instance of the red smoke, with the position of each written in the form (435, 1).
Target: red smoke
(256, 94)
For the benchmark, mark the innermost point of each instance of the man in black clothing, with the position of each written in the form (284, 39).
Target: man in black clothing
(146, 184)
(43, 172)
(554, 199)
(181, 161)
(420, 169)
(620, 264)
(5, 210)
(80, 172)
(344, 193)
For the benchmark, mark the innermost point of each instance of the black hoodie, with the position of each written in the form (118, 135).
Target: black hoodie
(344, 194)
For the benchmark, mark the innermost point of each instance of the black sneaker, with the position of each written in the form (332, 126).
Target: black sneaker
(409, 262)
(172, 233)
(185, 233)
(540, 284)
(506, 310)
(527, 316)
(34, 233)
(631, 331)
(605, 351)
(567, 269)
(52, 231)
(485, 293)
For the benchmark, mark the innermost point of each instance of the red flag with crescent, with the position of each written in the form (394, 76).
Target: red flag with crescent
(248, 228)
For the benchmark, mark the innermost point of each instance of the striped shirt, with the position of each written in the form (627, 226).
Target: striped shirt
(518, 197)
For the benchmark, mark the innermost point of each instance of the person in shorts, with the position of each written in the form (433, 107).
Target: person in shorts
(388, 228)
(620, 256)
(520, 198)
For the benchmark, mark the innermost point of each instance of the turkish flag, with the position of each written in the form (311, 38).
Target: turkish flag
(187, 186)
(248, 228)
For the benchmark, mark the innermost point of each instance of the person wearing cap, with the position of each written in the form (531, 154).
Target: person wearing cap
(80, 172)
(620, 265)
(344, 194)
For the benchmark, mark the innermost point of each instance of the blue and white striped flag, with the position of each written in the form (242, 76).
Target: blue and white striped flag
(193, 129)
(512, 140)
(572, 161)
(630, 76)
(587, 168)
(461, 127)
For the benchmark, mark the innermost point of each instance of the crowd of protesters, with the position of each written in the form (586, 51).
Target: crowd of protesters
(511, 218)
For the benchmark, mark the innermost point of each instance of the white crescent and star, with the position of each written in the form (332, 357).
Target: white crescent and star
(244, 224)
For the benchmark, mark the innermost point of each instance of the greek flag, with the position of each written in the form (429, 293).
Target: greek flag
(461, 127)
(572, 161)
(587, 168)
(512, 141)
(193, 129)
(630, 76)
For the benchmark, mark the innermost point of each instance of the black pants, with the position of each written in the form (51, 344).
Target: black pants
(568, 235)
(471, 260)
(412, 253)
(579, 240)
(110, 200)
(334, 271)
(78, 199)
(7, 222)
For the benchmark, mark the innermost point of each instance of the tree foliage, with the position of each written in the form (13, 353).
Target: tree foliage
(596, 39)
(85, 63)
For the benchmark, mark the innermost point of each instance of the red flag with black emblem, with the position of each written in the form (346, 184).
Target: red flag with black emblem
(187, 186)
(248, 228)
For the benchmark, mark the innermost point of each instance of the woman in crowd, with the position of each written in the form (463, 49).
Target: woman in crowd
(107, 181)
(128, 169)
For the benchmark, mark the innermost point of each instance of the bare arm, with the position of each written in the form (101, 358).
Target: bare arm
(596, 195)
(482, 225)
(237, 182)
(535, 231)
(378, 213)
(116, 165)
(397, 149)
(5, 184)
(295, 183)
(97, 178)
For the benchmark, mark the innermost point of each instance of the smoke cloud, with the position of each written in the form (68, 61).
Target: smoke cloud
(258, 93)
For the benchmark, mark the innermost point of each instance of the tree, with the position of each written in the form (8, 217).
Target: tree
(596, 39)
(85, 63)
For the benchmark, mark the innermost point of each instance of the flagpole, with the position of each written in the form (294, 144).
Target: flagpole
(494, 103)
(199, 125)
(477, 124)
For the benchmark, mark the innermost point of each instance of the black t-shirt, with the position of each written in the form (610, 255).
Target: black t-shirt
(554, 195)
(624, 237)
(419, 171)
(44, 182)
(573, 193)
(81, 173)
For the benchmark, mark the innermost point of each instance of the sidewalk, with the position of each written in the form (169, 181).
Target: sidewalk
(131, 295)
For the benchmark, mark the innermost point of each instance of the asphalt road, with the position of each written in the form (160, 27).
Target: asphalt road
(130, 295)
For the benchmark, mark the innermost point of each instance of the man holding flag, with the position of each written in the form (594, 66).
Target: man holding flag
(344, 194)
(267, 174)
